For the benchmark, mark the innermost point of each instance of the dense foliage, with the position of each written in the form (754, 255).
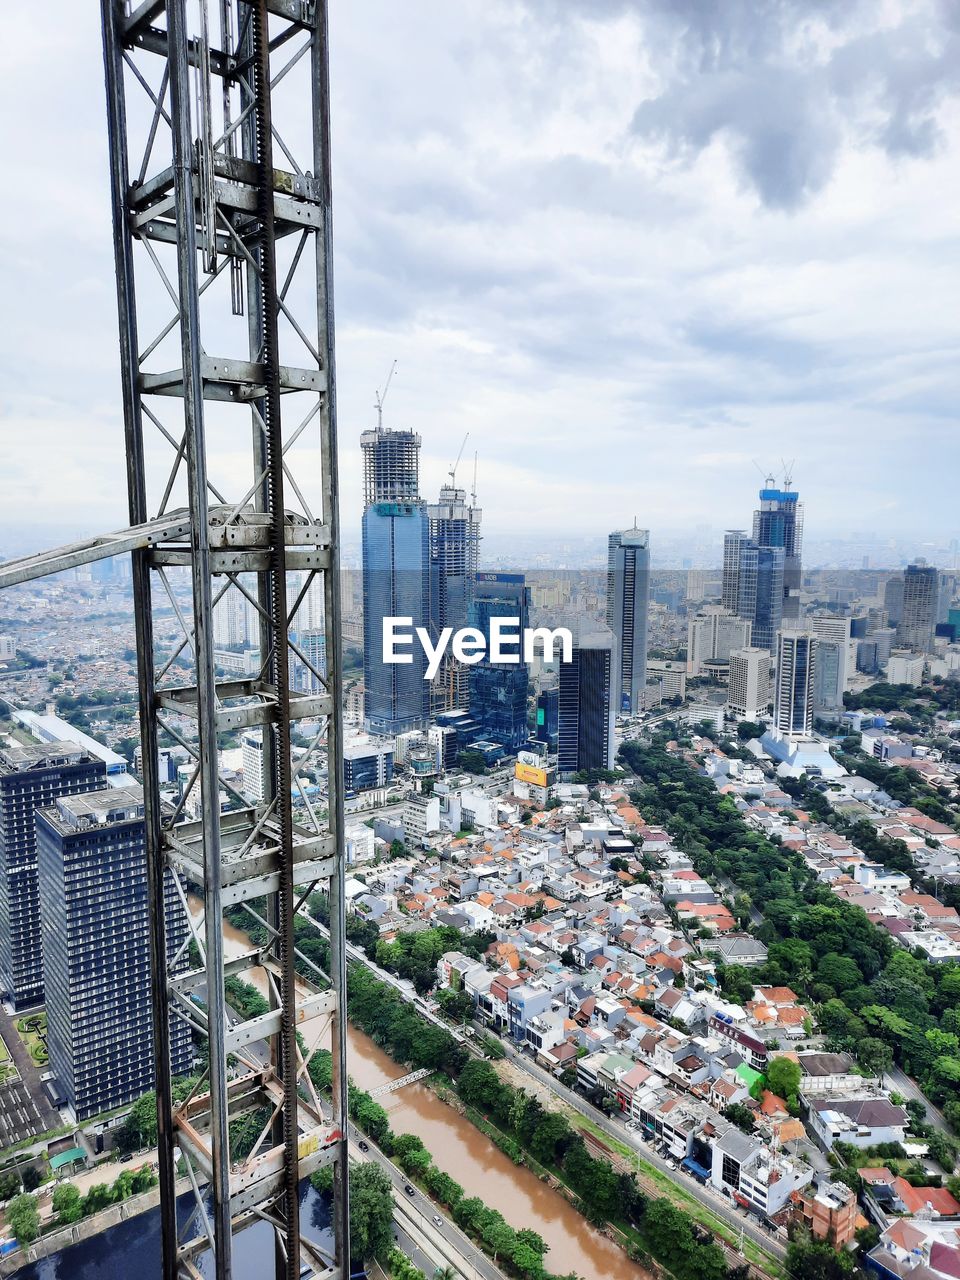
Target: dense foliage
(371, 1209)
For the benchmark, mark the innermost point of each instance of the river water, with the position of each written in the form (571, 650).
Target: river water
(457, 1148)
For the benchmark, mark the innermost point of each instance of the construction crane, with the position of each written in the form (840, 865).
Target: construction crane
(452, 473)
(382, 395)
(217, 220)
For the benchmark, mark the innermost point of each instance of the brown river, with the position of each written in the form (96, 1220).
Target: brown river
(471, 1158)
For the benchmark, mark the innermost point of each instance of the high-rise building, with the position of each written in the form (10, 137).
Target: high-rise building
(712, 635)
(921, 595)
(628, 602)
(548, 717)
(235, 624)
(585, 728)
(733, 542)
(778, 522)
(749, 689)
(498, 690)
(760, 583)
(31, 777)
(893, 599)
(95, 923)
(795, 683)
(251, 744)
(836, 662)
(454, 550)
(396, 579)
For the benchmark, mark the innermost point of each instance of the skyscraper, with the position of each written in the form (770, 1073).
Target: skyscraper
(760, 583)
(454, 550)
(921, 594)
(628, 600)
(796, 683)
(733, 541)
(893, 599)
(31, 776)
(836, 661)
(498, 691)
(396, 578)
(95, 924)
(778, 522)
(585, 728)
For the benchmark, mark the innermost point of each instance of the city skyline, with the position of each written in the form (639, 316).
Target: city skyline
(748, 285)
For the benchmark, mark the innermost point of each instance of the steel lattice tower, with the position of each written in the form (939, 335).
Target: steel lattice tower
(232, 483)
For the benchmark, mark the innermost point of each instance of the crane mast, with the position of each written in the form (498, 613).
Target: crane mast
(222, 231)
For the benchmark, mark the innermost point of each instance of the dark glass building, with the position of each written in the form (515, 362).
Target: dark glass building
(778, 522)
(498, 690)
(396, 579)
(95, 923)
(586, 705)
(628, 601)
(31, 777)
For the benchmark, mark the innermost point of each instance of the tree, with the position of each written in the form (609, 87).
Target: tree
(9, 1185)
(875, 1056)
(371, 1212)
(32, 1177)
(23, 1219)
(67, 1203)
(817, 1260)
(783, 1078)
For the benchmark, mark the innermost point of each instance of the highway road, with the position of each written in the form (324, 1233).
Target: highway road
(907, 1088)
(434, 1237)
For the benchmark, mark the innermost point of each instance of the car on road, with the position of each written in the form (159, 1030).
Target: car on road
(437, 1220)
(409, 1190)
(364, 1146)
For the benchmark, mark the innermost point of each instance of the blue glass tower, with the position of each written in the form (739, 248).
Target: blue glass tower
(498, 691)
(396, 579)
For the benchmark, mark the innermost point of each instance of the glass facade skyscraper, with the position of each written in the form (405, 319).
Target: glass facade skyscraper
(95, 924)
(778, 522)
(396, 579)
(454, 549)
(498, 690)
(31, 777)
(628, 600)
(586, 711)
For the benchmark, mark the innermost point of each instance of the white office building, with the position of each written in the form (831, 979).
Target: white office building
(749, 691)
(795, 683)
(251, 744)
(712, 635)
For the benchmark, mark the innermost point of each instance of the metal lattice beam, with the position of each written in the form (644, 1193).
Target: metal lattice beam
(214, 235)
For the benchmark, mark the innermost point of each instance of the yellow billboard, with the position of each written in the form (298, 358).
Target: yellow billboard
(528, 773)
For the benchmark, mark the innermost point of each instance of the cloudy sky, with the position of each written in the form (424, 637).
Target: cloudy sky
(632, 248)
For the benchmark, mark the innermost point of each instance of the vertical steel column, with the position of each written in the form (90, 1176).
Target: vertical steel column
(196, 462)
(320, 80)
(111, 16)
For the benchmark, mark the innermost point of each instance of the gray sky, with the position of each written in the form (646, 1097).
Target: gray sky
(629, 246)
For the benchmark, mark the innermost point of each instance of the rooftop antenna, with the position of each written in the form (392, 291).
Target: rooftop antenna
(382, 395)
(452, 473)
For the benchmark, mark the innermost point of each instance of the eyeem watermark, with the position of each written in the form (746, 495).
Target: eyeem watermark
(470, 644)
